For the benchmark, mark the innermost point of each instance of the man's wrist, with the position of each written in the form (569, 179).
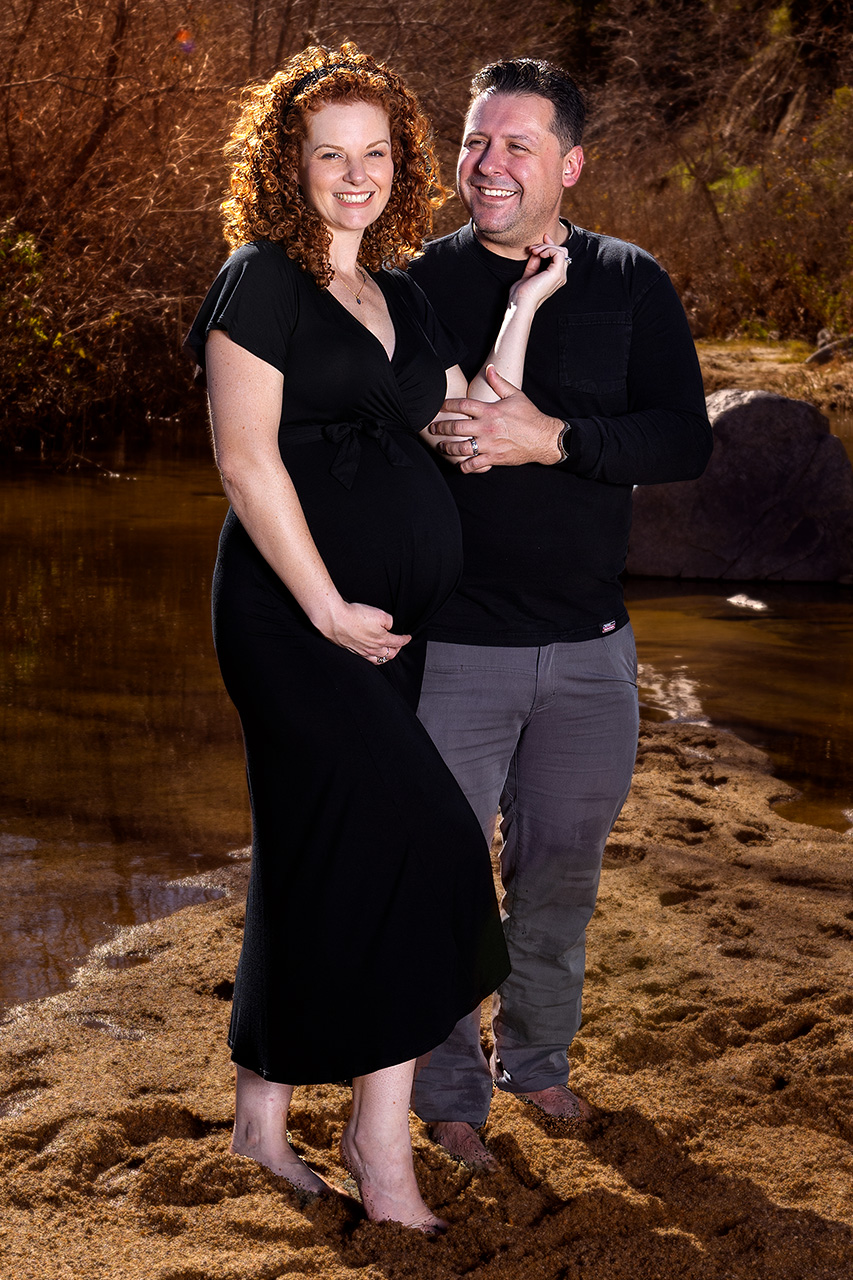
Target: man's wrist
(564, 439)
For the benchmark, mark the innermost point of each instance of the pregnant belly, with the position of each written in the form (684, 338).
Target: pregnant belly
(393, 539)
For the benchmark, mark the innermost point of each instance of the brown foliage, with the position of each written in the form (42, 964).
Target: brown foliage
(113, 115)
(716, 142)
(722, 141)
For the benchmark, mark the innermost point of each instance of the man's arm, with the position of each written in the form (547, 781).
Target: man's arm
(665, 435)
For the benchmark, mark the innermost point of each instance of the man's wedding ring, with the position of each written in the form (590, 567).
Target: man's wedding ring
(475, 448)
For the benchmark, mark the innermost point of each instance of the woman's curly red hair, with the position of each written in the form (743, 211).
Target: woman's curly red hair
(266, 201)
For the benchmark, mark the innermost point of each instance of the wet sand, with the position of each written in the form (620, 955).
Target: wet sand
(717, 1043)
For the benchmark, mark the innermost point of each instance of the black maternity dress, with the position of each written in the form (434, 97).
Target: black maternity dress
(371, 923)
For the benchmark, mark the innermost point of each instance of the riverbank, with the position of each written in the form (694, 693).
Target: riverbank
(779, 367)
(718, 1044)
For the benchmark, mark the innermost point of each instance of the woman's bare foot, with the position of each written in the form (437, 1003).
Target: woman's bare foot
(376, 1148)
(462, 1141)
(387, 1185)
(260, 1131)
(281, 1158)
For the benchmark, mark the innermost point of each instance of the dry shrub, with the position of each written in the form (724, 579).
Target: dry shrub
(716, 142)
(106, 173)
(114, 114)
(764, 248)
(722, 141)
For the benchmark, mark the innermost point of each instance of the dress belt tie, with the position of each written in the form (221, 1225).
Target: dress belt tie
(348, 436)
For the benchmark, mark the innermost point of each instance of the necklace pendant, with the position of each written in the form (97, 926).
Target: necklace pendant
(358, 300)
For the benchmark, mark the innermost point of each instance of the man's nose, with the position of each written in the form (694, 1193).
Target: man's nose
(489, 161)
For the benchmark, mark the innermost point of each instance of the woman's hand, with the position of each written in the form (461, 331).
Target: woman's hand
(496, 424)
(537, 284)
(363, 630)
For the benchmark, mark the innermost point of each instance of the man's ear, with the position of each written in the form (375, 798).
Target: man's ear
(572, 165)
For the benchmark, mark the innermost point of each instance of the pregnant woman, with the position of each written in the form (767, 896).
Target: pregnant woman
(371, 923)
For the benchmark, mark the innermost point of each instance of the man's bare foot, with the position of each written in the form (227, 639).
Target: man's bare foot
(560, 1103)
(386, 1183)
(462, 1141)
(279, 1156)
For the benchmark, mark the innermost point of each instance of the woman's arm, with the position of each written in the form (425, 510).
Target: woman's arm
(525, 299)
(245, 407)
(506, 357)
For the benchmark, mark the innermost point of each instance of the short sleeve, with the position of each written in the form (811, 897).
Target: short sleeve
(449, 348)
(254, 299)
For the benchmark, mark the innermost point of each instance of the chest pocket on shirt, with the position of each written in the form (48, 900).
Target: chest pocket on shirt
(594, 347)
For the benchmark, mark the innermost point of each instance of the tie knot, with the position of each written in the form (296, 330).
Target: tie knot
(348, 436)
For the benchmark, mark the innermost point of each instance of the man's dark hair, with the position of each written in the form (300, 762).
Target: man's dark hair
(528, 75)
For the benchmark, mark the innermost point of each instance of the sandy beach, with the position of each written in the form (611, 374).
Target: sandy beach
(717, 1044)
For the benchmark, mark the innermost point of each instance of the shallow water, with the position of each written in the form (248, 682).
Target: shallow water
(122, 765)
(773, 662)
(122, 769)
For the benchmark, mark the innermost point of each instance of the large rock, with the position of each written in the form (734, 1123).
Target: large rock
(776, 500)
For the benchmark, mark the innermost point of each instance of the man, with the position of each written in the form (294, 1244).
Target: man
(530, 687)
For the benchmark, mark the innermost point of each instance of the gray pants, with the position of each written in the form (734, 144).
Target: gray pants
(549, 735)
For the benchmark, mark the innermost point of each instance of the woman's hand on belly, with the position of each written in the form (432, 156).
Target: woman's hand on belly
(363, 630)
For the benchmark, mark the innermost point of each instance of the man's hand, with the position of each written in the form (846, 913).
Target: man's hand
(508, 433)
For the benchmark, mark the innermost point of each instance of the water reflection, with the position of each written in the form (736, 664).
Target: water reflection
(670, 695)
(781, 676)
(122, 769)
(62, 898)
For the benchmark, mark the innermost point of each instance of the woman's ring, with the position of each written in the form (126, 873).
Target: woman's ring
(475, 448)
(379, 661)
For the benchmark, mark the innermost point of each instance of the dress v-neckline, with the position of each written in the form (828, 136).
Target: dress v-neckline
(366, 329)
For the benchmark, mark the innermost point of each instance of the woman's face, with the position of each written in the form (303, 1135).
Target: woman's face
(345, 167)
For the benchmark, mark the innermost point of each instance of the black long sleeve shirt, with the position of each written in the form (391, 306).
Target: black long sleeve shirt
(610, 352)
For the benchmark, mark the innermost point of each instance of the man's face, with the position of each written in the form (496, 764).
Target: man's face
(512, 171)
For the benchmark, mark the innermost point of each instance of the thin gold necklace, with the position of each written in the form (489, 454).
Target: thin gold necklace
(357, 296)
